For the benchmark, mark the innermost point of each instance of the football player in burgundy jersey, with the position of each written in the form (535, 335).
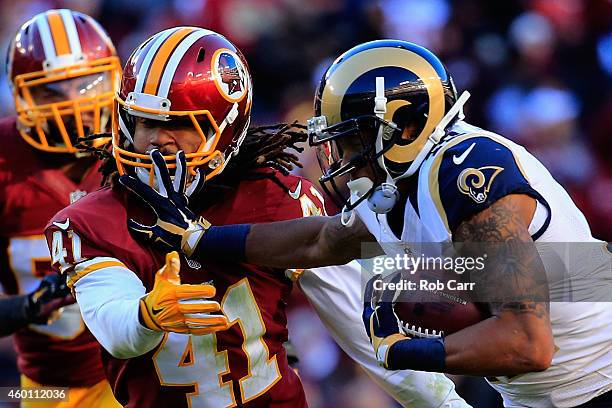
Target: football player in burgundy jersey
(176, 96)
(61, 68)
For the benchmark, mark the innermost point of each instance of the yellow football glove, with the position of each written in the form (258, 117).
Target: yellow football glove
(180, 308)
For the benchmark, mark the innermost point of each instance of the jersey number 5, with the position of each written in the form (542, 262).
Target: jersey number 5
(29, 260)
(194, 360)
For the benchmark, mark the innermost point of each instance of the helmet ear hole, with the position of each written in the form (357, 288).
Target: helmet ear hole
(411, 120)
(201, 55)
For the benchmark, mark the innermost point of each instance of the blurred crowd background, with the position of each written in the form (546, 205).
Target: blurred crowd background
(539, 72)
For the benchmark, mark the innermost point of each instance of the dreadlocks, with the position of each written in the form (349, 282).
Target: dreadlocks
(263, 147)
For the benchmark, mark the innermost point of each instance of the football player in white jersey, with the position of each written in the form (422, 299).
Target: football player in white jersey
(392, 142)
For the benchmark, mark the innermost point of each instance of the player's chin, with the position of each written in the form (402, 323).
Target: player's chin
(364, 171)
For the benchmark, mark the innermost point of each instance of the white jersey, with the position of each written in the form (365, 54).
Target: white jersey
(581, 322)
(335, 292)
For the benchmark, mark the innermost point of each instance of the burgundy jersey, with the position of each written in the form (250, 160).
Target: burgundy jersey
(32, 190)
(245, 365)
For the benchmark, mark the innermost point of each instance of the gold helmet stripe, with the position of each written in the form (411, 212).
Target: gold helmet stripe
(71, 31)
(341, 78)
(161, 58)
(177, 56)
(58, 33)
(157, 40)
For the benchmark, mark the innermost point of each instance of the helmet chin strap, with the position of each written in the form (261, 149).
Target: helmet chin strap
(384, 196)
(228, 120)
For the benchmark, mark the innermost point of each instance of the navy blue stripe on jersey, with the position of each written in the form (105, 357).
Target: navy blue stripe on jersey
(414, 199)
(474, 174)
(410, 187)
(544, 227)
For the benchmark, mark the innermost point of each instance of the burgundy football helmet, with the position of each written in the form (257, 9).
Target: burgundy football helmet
(187, 74)
(63, 71)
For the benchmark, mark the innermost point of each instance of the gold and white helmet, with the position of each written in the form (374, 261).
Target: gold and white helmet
(397, 92)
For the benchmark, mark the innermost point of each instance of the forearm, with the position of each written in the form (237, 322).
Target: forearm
(494, 347)
(13, 314)
(500, 346)
(299, 243)
(109, 302)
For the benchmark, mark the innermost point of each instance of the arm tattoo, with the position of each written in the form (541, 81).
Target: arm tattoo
(514, 279)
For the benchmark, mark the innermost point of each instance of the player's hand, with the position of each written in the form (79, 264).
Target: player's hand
(180, 308)
(176, 228)
(44, 304)
(381, 323)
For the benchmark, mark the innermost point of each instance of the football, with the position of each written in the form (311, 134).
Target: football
(439, 304)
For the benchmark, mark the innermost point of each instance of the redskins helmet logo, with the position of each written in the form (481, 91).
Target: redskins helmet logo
(476, 183)
(230, 75)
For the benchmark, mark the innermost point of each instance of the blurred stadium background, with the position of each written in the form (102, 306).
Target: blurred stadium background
(539, 72)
